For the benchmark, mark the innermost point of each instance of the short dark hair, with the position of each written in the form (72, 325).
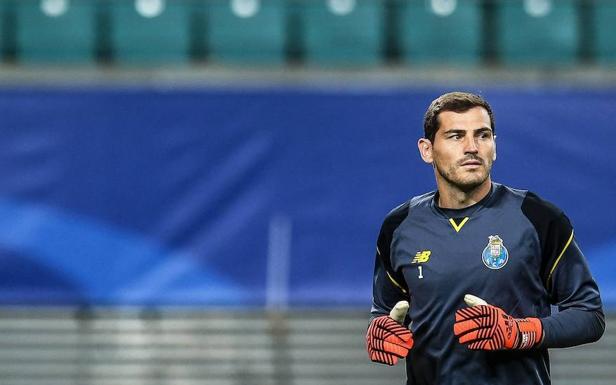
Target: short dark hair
(456, 102)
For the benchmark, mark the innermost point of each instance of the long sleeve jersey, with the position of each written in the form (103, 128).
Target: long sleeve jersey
(514, 250)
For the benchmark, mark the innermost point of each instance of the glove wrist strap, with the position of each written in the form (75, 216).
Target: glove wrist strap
(530, 332)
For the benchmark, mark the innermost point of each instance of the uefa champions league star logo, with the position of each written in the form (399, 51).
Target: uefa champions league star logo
(495, 254)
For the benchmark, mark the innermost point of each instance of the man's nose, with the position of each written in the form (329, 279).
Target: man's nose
(470, 145)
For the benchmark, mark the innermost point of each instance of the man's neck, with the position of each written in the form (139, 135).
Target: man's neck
(452, 197)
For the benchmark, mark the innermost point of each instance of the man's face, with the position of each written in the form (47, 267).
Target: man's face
(463, 149)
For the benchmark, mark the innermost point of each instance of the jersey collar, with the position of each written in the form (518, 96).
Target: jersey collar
(467, 211)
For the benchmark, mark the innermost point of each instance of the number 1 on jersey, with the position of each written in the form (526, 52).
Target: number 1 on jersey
(420, 268)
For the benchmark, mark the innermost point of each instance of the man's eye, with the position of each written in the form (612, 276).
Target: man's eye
(456, 137)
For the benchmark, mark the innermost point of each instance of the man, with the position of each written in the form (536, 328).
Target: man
(480, 264)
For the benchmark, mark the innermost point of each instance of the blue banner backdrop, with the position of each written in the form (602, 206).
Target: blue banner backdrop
(230, 197)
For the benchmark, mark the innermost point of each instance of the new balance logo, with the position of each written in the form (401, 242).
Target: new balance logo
(422, 256)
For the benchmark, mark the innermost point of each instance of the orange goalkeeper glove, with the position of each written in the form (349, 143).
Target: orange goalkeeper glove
(387, 339)
(487, 327)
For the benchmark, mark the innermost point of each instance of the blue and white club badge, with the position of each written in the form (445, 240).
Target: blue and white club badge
(495, 255)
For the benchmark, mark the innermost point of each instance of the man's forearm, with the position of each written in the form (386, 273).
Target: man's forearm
(572, 327)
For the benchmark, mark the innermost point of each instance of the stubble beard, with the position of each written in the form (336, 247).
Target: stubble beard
(460, 182)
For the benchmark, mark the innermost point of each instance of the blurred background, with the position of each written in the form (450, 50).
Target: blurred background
(191, 190)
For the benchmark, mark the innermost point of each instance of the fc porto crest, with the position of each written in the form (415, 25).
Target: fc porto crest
(495, 254)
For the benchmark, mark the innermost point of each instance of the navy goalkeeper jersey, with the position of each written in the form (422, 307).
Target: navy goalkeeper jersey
(514, 250)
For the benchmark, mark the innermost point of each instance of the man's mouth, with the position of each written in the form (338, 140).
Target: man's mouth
(472, 162)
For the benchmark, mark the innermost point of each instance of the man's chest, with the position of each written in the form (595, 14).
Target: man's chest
(437, 256)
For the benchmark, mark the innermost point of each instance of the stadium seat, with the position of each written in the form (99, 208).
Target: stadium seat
(4, 39)
(440, 32)
(246, 31)
(343, 32)
(538, 32)
(605, 31)
(150, 32)
(55, 31)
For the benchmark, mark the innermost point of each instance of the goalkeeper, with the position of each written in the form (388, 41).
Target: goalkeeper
(480, 263)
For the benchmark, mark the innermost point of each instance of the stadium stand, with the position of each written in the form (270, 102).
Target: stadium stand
(55, 32)
(248, 32)
(314, 33)
(103, 347)
(538, 32)
(438, 33)
(343, 32)
(604, 31)
(150, 32)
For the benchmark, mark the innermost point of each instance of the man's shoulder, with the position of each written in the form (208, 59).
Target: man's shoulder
(416, 201)
(530, 202)
(422, 200)
(535, 206)
(400, 212)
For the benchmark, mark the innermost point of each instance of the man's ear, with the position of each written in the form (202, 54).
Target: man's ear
(425, 150)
